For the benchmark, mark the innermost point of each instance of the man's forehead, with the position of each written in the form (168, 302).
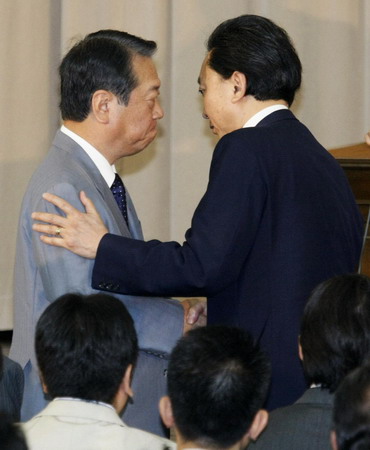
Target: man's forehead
(202, 73)
(146, 72)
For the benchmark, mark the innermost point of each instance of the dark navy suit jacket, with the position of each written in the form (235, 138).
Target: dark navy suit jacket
(278, 217)
(11, 389)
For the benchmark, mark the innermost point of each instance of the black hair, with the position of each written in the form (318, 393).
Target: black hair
(217, 381)
(262, 51)
(11, 435)
(102, 60)
(351, 412)
(84, 345)
(335, 329)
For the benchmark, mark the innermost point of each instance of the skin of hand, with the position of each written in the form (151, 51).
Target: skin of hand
(367, 138)
(195, 313)
(78, 232)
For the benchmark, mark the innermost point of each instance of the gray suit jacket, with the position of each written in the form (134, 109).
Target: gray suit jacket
(11, 388)
(305, 425)
(42, 272)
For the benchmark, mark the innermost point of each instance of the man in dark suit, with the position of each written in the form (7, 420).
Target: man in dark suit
(334, 340)
(110, 108)
(278, 216)
(11, 387)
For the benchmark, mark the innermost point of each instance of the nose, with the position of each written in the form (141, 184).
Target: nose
(158, 112)
(204, 115)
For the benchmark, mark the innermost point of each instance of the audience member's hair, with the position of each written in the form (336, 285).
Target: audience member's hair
(351, 414)
(102, 60)
(335, 330)
(11, 436)
(262, 51)
(217, 381)
(84, 345)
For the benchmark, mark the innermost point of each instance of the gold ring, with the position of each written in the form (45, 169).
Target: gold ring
(57, 232)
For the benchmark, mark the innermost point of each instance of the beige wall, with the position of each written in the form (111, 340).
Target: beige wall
(167, 179)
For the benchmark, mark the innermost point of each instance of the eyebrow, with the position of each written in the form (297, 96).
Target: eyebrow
(199, 80)
(154, 88)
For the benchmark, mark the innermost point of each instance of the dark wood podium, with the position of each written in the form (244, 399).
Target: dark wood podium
(355, 160)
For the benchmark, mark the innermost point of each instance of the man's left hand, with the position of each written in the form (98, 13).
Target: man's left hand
(78, 232)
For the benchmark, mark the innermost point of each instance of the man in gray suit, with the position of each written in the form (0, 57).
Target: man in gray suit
(109, 105)
(334, 340)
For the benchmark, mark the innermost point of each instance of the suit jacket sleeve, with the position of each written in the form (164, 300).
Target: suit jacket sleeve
(223, 230)
(61, 271)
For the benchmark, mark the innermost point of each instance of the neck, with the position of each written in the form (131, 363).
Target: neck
(91, 135)
(183, 444)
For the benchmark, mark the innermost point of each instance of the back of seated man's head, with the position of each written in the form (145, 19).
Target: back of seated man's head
(85, 345)
(351, 414)
(335, 330)
(217, 384)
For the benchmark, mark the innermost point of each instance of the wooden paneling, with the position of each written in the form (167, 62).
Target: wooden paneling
(355, 160)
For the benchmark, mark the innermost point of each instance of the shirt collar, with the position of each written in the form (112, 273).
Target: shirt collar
(256, 119)
(74, 399)
(107, 171)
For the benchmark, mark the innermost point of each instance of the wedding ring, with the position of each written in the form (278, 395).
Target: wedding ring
(57, 232)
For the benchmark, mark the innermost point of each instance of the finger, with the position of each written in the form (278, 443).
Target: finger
(88, 204)
(49, 218)
(191, 317)
(55, 241)
(62, 204)
(46, 228)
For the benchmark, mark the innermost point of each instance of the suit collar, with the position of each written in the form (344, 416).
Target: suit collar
(81, 409)
(317, 395)
(277, 116)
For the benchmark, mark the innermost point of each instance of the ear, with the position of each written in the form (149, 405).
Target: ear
(239, 83)
(333, 440)
(300, 352)
(165, 410)
(124, 391)
(101, 105)
(44, 387)
(258, 425)
(126, 382)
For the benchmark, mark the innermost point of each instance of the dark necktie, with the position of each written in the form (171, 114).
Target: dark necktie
(119, 193)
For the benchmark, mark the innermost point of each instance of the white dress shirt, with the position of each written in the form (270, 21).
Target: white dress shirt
(107, 170)
(256, 119)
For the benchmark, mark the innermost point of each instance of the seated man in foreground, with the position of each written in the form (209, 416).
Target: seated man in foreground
(217, 384)
(351, 415)
(11, 387)
(86, 348)
(334, 339)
